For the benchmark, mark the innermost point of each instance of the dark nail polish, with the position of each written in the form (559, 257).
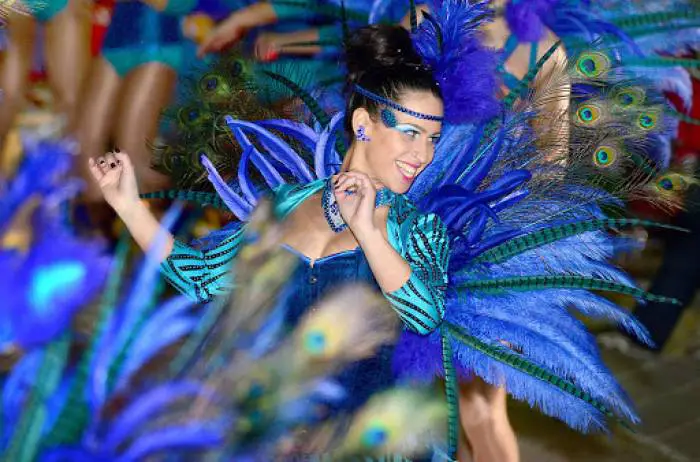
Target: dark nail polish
(112, 165)
(116, 150)
(119, 162)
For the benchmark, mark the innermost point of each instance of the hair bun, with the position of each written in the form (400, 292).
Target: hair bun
(379, 48)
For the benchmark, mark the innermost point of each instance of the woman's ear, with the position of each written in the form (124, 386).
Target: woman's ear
(361, 118)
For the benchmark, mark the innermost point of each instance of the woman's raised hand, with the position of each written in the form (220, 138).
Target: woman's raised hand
(355, 193)
(114, 174)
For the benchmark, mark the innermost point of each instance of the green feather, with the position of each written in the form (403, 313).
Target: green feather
(414, 17)
(662, 61)
(344, 21)
(198, 197)
(683, 117)
(654, 19)
(521, 244)
(652, 30)
(453, 425)
(73, 418)
(189, 349)
(26, 438)
(119, 359)
(311, 103)
(561, 282)
(529, 77)
(520, 363)
(315, 43)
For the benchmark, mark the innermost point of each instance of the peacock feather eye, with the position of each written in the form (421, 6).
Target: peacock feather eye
(604, 156)
(236, 68)
(190, 116)
(212, 84)
(672, 182)
(315, 342)
(647, 120)
(388, 118)
(592, 64)
(588, 114)
(629, 97)
(375, 436)
(50, 283)
(665, 184)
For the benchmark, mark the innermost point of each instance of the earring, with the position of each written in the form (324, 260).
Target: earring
(361, 135)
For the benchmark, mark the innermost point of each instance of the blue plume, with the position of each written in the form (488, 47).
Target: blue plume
(463, 67)
(239, 206)
(326, 157)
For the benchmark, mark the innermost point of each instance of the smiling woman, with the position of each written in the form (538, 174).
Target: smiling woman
(356, 226)
(483, 271)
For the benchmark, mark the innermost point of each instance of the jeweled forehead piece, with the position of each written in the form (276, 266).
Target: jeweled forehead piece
(394, 105)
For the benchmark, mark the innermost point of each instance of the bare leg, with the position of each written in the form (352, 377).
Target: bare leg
(97, 115)
(147, 90)
(68, 57)
(15, 69)
(484, 417)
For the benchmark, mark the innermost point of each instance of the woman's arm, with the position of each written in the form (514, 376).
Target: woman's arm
(197, 274)
(270, 45)
(236, 25)
(415, 282)
(115, 176)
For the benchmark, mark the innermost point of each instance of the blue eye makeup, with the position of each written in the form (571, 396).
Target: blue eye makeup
(408, 130)
(388, 118)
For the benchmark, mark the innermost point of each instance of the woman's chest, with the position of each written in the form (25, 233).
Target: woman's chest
(308, 233)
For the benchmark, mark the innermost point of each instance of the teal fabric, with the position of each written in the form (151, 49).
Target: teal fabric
(179, 7)
(45, 10)
(420, 239)
(140, 34)
(124, 60)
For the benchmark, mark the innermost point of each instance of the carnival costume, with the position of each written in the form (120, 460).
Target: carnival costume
(502, 241)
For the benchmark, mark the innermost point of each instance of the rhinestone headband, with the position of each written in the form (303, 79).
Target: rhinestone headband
(394, 105)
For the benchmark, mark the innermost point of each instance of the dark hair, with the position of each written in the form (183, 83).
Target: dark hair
(382, 59)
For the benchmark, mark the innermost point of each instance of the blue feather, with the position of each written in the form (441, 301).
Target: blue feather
(233, 201)
(326, 157)
(193, 436)
(147, 406)
(163, 328)
(250, 193)
(277, 148)
(270, 173)
(299, 131)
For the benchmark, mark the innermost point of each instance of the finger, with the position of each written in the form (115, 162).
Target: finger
(111, 178)
(95, 170)
(362, 178)
(124, 161)
(101, 163)
(346, 184)
(207, 46)
(111, 160)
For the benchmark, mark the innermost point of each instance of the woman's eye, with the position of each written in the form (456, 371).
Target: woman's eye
(435, 140)
(413, 134)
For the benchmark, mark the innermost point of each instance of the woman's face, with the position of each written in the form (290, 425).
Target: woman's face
(401, 146)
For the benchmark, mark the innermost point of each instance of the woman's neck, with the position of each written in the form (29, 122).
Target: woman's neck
(355, 161)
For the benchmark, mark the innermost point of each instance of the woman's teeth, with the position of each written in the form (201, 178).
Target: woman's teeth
(406, 169)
